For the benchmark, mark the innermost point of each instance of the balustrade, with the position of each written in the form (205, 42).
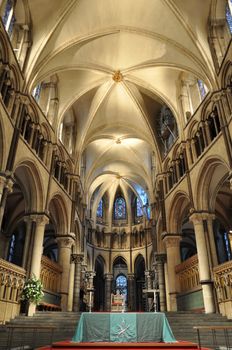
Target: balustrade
(12, 280)
(188, 274)
(50, 275)
(223, 284)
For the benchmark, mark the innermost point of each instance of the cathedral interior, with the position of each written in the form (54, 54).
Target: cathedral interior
(116, 154)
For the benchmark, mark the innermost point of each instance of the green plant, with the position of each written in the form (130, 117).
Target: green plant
(32, 290)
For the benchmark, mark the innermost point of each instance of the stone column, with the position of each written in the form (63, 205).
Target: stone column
(2, 185)
(28, 221)
(108, 290)
(7, 188)
(131, 292)
(65, 244)
(148, 286)
(90, 288)
(71, 285)
(160, 260)
(37, 250)
(214, 259)
(203, 259)
(77, 258)
(172, 242)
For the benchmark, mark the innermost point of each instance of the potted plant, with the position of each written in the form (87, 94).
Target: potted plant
(32, 292)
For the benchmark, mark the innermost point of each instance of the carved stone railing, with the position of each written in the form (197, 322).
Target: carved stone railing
(12, 279)
(223, 284)
(50, 275)
(188, 274)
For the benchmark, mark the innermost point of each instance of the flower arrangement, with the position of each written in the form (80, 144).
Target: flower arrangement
(32, 290)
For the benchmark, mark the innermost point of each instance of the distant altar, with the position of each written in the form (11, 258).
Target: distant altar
(123, 327)
(118, 302)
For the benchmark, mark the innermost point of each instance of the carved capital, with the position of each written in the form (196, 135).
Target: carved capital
(9, 185)
(160, 258)
(40, 219)
(2, 183)
(131, 276)
(171, 239)
(66, 241)
(90, 274)
(77, 258)
(197, 218)
(108, 276)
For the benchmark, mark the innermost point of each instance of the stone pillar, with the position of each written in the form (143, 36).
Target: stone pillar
(37, 250)
(203, 259)
(160, 260)
(2, 185)
(7, 188)
(71, 285)
(149, 286)
(77, 258)
(108, 290)
(65, 244)
(90, 288)
(131, 292)
(28, 221)
(213, 251)
(172, 242)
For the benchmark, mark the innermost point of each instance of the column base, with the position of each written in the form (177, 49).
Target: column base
(31, 309)
(208, 298)
(173, 301)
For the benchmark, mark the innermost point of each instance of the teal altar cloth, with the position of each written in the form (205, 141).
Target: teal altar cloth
(123, 327)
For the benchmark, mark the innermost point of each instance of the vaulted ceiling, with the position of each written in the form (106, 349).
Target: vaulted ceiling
(118, 62)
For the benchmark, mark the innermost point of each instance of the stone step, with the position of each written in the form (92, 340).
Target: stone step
(65, 323)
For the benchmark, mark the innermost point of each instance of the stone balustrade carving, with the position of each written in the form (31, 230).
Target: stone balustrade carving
(50, 275)
(188, 274)
(12, 279)
(223, 284)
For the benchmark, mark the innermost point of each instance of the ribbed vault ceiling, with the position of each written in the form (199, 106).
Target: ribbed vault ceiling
(117, 63)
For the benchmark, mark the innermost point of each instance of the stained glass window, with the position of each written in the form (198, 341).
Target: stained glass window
(121, 284)
(139, 208)
(8, 17)
(36, 92)
(229, 16)
(6, 14)
(11, 248)
(100, 209)
(120, 208)
(11, 26)
(227, 245)
(201, 86)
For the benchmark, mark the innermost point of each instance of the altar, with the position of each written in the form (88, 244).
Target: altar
(123, 327)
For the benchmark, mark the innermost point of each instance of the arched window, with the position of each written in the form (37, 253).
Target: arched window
(229, 15)
(36, 92)
(202, 89)
(120, 208)
(139, 208)
(100, 209)
(11, 248)
(121, 284)
(8, 16)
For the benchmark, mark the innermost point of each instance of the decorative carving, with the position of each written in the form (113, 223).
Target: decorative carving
(188, 274)
(171, 239)
(77, 258)
(65, 241)
(223, 282)
(12, 279)
(117, 77)
(160, 258)
(50, 274)
(40, 219)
